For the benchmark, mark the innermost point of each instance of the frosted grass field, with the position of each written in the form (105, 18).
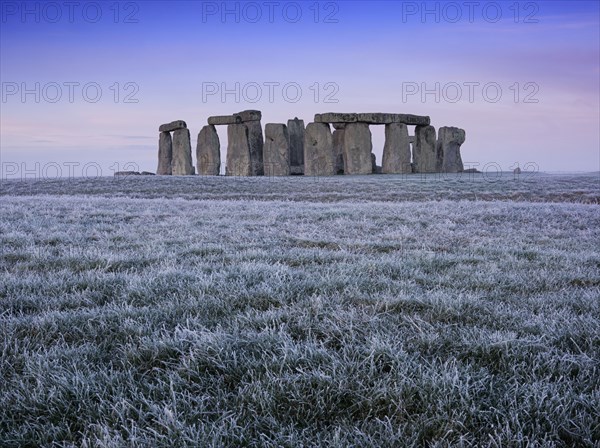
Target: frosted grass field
(346, 311)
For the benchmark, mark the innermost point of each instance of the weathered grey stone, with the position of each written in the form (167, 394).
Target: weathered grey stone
(413, 120)
(173, 126)
(240, 117)
(238, 151)
(338, 125)
(335, 117)
(357, 149)
(126, 173)
(296, 134)
(277, 150)
(147, 173)
(396, 151)
(448, 150)
(208, 152)
(297, 170)
(224, 120)
(372, 118)
(376, 118)
(338, 150)
(373, 163)
(182, 153)
(319, 159)
(424, 150)
(250, 115)
(165, 153)
(256, 144)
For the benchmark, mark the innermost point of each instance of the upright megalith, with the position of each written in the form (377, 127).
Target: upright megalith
(424, 150)
(295, 129)
(182, 153)
(276, 150)
(396, 151)
(256, 145)
(239, 162)
(357, 149)
(448, 150)
(208, 152)
(165, 153)
(319, 159)
(338, 149)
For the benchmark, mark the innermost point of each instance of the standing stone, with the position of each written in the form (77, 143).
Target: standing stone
(277, 150)
(238, 151)
(296, 134)
(338, 150)
(396, 151)
(373, 163)
(425, 156)
(208, 152)
(255, 143)
(182, 153)
(357, 149)
(165, 153)
(448, 150)
(319, 159)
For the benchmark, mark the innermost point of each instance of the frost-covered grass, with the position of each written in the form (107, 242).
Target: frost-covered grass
(492, 186)
(170, 312)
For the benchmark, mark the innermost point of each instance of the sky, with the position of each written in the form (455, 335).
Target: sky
(85, 85)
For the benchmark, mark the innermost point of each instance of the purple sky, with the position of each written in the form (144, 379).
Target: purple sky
(365, 54)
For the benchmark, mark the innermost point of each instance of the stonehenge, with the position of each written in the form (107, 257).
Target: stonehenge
(311, 150)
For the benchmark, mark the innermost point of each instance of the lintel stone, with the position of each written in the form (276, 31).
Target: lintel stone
(241, 117)
(372, 118)
(173, 126)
